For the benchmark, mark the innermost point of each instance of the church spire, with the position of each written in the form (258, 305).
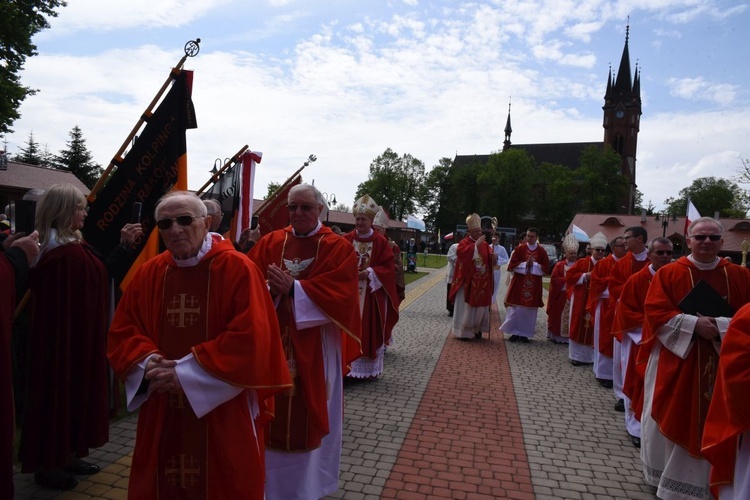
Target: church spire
(508, 130)
(624, 78)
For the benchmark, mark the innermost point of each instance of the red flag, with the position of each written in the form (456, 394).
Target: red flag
(273, 214)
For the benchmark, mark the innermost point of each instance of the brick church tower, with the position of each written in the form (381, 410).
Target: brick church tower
(622, 117)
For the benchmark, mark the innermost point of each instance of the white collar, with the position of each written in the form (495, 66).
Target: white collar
(311, 233)
(704, 266)
(192, 261)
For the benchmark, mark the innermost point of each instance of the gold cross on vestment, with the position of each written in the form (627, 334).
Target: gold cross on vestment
(182, 471)
(186, 310)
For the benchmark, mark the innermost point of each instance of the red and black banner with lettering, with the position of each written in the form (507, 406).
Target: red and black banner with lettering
(154, 164)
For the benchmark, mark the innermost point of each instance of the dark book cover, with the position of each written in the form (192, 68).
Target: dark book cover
(704, 300)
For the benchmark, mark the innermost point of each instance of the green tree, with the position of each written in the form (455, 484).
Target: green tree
(435, 195)
(710, 195)
(19, 22)
(32, 153)
(555, 203)
(504, 186)
(77, 159)
(603, 189)
(394, 182)
(272, 188)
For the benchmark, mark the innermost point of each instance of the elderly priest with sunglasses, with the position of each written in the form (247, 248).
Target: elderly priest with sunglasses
(312, 276)
(687, 311)
(197, 343)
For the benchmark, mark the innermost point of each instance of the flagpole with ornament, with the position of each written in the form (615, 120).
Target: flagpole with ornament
(218, 173)
(191, 49)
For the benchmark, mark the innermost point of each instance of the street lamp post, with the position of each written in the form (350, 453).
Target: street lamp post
(664, 217)
(330, 200)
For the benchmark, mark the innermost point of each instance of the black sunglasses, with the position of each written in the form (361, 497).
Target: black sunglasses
(183, 220)
(663, 252)
(702, 237)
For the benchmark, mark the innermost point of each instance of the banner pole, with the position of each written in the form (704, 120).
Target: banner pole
(234, 159)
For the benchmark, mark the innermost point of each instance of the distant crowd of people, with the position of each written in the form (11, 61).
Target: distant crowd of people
(670, 337)
(234, 353)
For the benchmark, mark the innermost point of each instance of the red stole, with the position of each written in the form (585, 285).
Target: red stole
(581, 324)
(301, 413)
(526, 290)
(475, 275)
(606, 310)
(182, 447)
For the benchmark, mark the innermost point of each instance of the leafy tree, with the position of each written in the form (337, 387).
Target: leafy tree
(77, 159)
(394, 182)
(32, 153)
(504, 187)
(19, 22)
(342, 207)
(556, 202)
(435, 195)
(710, 195)
(272, 188)
(603, 189)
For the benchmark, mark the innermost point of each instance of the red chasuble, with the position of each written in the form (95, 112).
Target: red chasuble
(581, 323)
(325, 266)
(66, 406)
(526, 289)
(729, 412)
(556, 299)
(621, 271)
(474, 275)
(7, 420)
(684, 386)
(599, 282)
(220, 311)
(379, 308)
(629, 315)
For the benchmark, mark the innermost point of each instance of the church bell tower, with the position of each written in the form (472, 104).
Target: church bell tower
(622, 117)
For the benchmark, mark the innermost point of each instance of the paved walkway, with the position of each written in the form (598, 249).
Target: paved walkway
(451, 419)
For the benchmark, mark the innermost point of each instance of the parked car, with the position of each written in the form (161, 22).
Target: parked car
(552, 254)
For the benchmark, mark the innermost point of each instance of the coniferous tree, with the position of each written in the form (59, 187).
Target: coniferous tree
(78, 160)
(32, 153)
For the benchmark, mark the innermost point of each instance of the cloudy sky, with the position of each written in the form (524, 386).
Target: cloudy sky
(346, 79)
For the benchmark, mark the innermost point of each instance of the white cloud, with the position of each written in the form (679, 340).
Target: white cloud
(700, 89)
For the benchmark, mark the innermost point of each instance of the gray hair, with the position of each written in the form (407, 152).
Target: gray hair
(701, 220)
(316, 192)
(189, 198)
(213, 207)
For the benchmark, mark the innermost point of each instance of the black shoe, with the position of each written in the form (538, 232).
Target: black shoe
(478, 335)
(576, 363)
(607, 384)
(514, 338)
(55, 479)
(620, 405)
(636, 441)
(450, 314)
(82, 468)
(525, 340)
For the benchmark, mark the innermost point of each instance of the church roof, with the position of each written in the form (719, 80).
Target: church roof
(567, 154)
(22, 176)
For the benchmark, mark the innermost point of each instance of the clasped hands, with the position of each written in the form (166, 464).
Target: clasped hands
(279, 281)
(162, 375)
(706, 327)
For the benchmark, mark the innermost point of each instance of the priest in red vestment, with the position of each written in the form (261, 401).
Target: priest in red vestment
(528, 263)
(634, 260)
(726, 435)
(196, 340)
(471, 290)
(628, 325)
(684, 336)
(380, 223)
(602, 310)
(378, 297)
(14, 267)
(558, 306)
(577, 281)
(312, 276)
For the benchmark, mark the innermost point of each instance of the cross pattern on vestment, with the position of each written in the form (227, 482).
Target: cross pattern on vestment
(182, 471)
(182, 311)
(363, 254)
(709, 372)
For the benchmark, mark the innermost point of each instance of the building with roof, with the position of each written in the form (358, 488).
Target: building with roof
(621, 123)
(17, 178)
(612, 225)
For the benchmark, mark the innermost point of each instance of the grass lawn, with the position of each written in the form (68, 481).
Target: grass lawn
(410, 277)
(433, 260)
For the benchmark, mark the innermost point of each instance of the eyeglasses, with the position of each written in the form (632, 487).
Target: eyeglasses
(304, 208)
(702, 237)
(183, 220)
(598, 249)
(663, 252)
(627, 237)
